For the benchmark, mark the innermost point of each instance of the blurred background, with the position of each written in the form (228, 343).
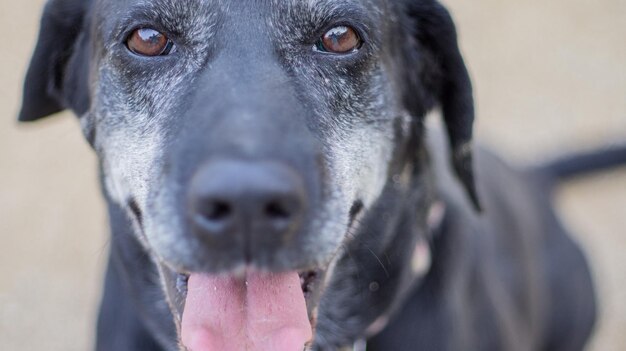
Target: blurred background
(550, 78)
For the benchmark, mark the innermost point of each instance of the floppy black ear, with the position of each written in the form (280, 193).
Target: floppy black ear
(50, 79)
(444, 77)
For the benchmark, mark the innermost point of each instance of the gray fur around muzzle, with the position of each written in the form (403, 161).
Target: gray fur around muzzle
(242, 173)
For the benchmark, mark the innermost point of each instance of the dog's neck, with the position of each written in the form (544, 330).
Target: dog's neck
(420, 265)
(385, 260)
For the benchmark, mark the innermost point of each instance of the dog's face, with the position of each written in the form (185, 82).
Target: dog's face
(246, 138)
(243, 92)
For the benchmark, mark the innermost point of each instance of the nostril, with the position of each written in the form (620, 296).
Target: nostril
(275, 210)
(218, 211)
(214, 216)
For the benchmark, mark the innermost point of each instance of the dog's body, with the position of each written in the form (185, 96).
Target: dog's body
(361, 203)
(510, 287)
(494, 282)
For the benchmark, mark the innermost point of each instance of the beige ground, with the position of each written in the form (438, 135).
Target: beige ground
(550, 78)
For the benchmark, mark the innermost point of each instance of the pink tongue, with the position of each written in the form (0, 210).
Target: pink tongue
(266, 312)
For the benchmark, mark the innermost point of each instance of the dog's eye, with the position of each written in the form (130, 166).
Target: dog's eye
(149, 42)
(339, 40)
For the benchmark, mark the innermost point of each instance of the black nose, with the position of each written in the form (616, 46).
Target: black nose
(254, 201)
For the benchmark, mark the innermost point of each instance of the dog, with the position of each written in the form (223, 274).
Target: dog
(272, 184)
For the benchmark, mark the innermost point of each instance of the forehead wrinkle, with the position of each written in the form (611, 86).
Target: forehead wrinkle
(318, 8)
(329, 8)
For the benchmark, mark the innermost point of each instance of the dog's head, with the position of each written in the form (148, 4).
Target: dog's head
(245, 139)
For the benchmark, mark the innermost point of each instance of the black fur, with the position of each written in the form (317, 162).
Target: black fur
(57, 77)
(509, 278)
(435, 31)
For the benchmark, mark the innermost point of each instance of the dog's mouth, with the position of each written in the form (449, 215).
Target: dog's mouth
(253, 310)
(250, 311)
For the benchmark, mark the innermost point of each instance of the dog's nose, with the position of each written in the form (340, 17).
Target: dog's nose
(255, 201)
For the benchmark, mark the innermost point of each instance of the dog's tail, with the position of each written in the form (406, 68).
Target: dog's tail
(585, 162)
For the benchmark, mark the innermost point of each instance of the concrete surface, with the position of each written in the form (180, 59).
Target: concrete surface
(550, 78)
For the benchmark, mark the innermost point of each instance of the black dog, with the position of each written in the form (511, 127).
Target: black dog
(271, 185)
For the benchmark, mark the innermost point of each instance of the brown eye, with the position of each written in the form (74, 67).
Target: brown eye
(149, 42)
(339, 40)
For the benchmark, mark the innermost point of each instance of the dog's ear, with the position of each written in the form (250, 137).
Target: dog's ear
(442, 79)
(56, 77)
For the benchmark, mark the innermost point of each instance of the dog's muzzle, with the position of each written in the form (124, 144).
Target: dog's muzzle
(249, 206)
